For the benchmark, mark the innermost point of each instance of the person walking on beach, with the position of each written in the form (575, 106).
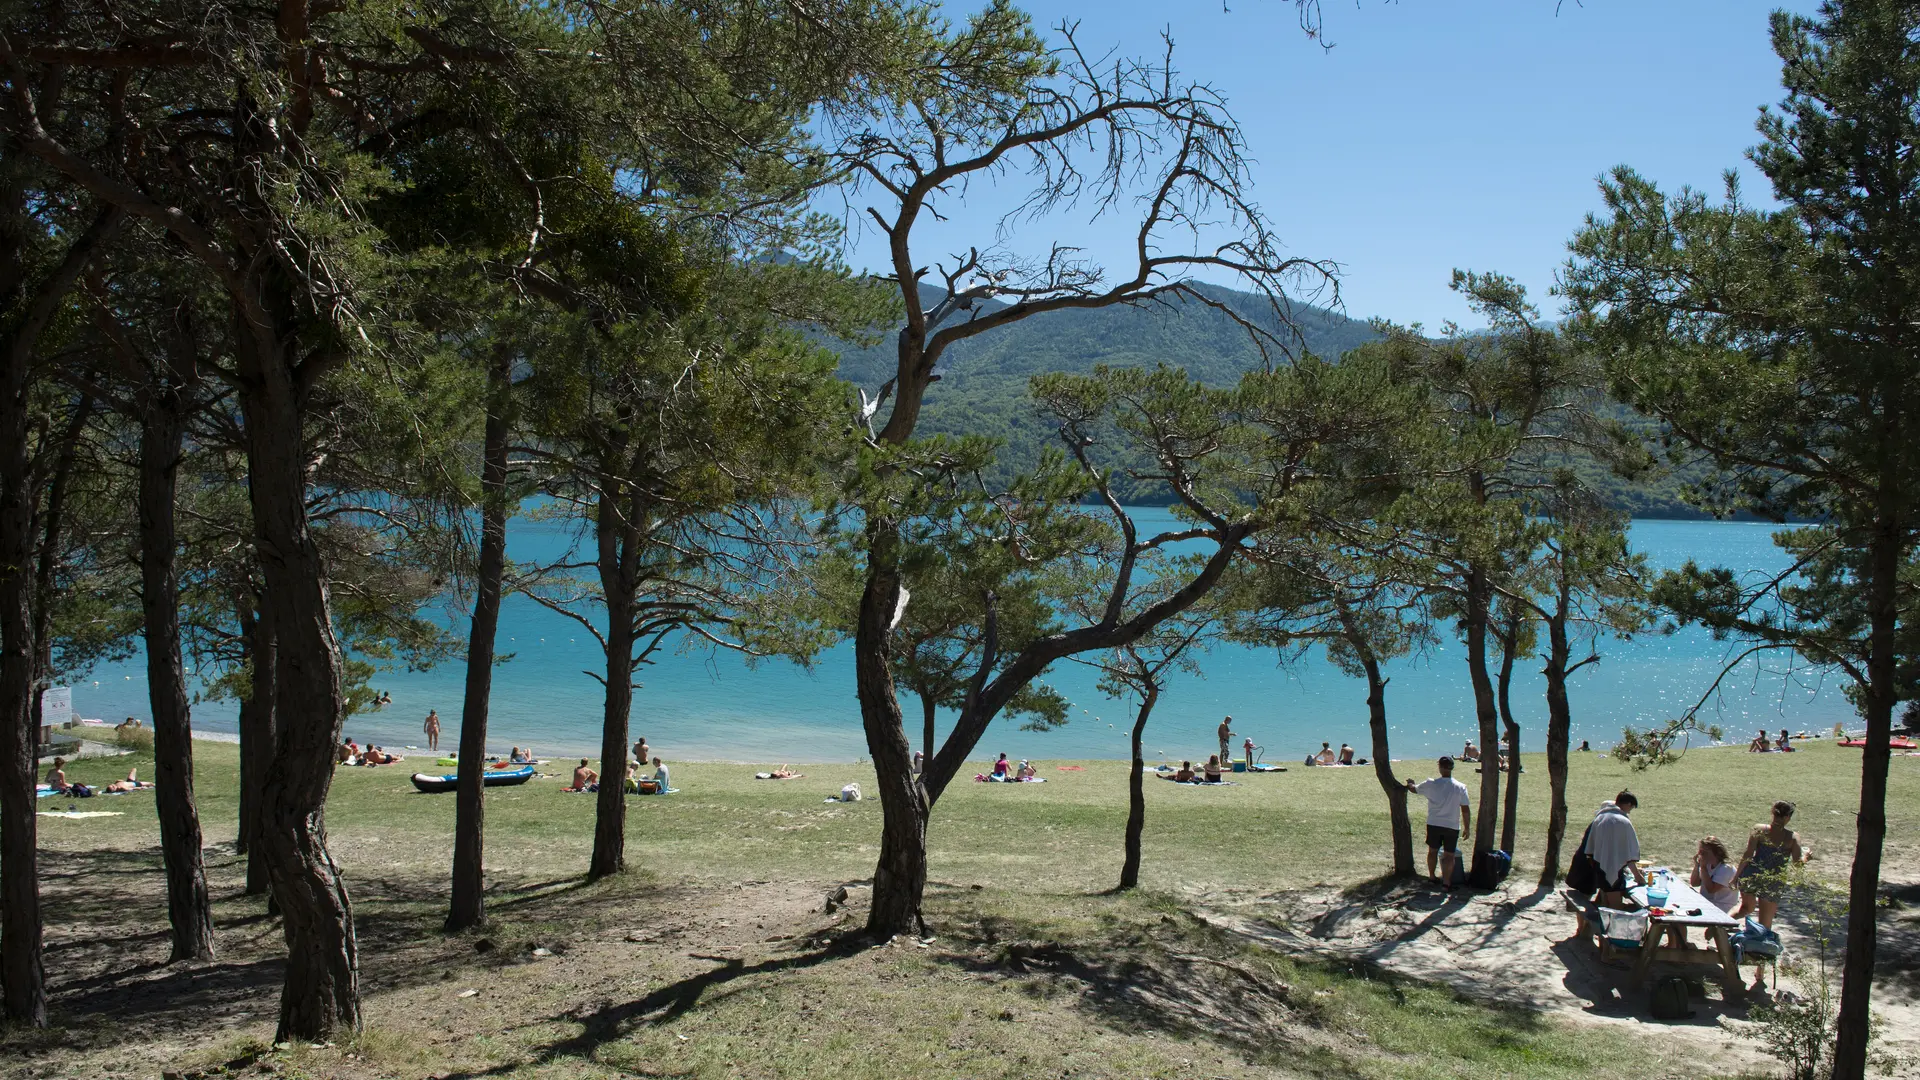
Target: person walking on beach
(432, 728)
(1613, 843)
(1226, 733)
(1449, 811)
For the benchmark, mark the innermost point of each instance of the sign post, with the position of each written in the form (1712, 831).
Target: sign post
(56, 710)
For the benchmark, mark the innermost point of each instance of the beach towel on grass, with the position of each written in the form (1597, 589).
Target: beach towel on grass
(1199, 783)
(80, 813)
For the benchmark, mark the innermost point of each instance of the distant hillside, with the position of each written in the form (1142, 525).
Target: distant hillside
(983, 385)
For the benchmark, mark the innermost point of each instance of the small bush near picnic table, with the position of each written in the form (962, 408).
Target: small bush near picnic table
(1799, 1028)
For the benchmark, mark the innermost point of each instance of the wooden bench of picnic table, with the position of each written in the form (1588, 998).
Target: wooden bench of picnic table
(1685, 907)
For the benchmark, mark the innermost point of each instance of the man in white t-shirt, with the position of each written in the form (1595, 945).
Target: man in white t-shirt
(1449, 812)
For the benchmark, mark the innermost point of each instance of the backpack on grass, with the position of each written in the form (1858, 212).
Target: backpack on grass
(1493, 868)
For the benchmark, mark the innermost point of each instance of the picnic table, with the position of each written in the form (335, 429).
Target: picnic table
(1683, 900)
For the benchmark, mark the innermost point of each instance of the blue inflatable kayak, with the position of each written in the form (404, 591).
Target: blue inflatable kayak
(494, 778)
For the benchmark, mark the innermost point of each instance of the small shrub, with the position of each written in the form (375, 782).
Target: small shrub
(1800, 1029)
(139, 740)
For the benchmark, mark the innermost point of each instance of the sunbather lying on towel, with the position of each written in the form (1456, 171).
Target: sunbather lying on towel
(131, 783)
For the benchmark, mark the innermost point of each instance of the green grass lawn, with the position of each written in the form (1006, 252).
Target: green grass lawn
(1287, 830)
(729, 872)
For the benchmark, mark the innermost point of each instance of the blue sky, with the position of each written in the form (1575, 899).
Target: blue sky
(1434, 134)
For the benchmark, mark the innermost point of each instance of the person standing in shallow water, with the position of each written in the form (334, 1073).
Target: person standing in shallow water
(432, 729)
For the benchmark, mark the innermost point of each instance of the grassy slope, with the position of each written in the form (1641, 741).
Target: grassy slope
(1010, 863)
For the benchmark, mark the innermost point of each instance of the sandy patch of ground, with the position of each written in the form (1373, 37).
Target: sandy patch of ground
(1511, 947)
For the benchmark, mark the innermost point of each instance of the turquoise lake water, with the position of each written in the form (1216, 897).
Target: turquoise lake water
(712, 705)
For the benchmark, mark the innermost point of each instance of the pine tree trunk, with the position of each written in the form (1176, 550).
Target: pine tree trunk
(1484, 826)
(927, 715)
(1559, 733)
(1511, 811)
(45, 531)
(616, 530)
(256, 736)
(51, 534)
(1136, 791)
(1398, 821)
(321, 996)
(1884, 552)
(162, 428)
(22, 975)
(31, 307)
(467, 906)
(900, 877)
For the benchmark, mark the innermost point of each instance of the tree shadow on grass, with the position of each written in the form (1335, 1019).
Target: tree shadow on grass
(1187, 979)
(110, 983)
(607, 1023)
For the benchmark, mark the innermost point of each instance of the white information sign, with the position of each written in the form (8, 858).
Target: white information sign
(56, 706)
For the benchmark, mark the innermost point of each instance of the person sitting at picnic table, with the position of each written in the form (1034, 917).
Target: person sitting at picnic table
(1614, 845)
(1713, 874)
(1346, 754)
(1783, 744)
(1470, 753)
(57, 776)
(1212, 769)
(1760, 744)
(1771, 848)
(585, 779)
(1184, 774)
(1325, 756)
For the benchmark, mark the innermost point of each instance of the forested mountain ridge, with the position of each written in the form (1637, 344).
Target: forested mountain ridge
(983, 384)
